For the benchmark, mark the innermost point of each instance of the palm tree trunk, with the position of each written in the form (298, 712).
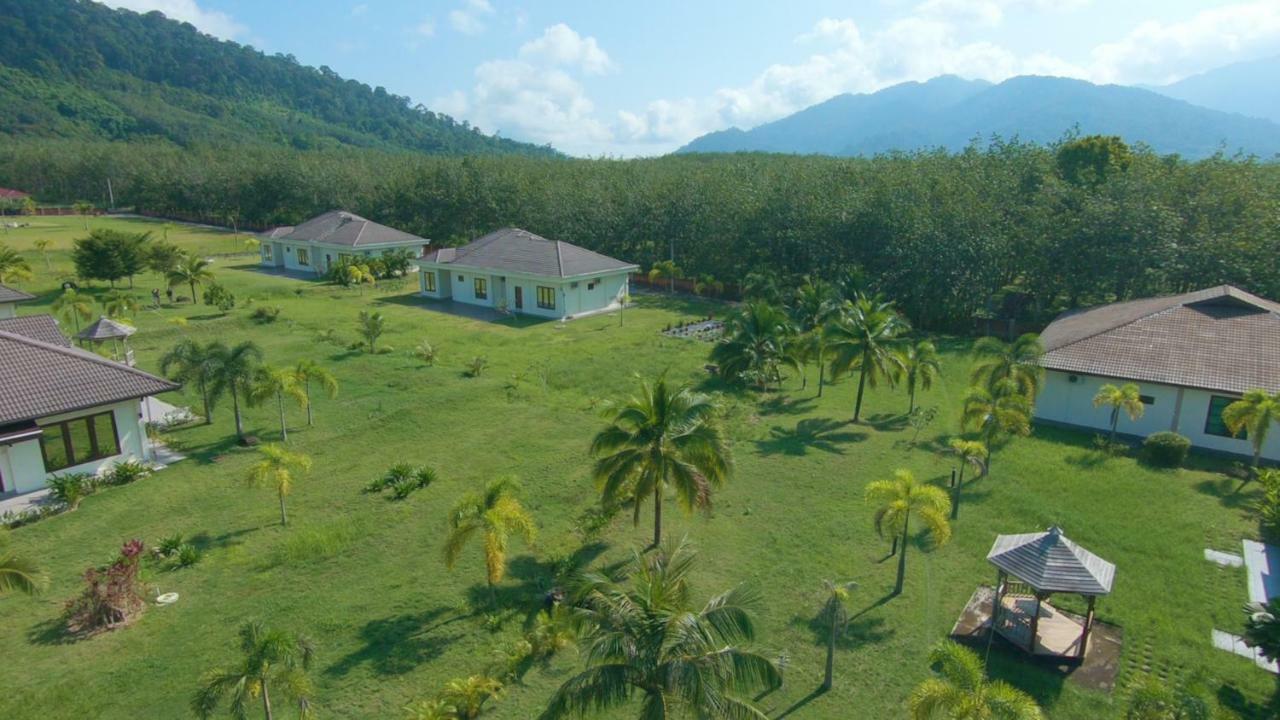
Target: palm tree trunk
(306, 385)
(657, 514)
(1115, 420)
(193, 292)
(266, 700)
(235, 404)
(902, 558)
(821, 372)
(204, 396)
(284, 517)
(955, 494)
(831, 653)
(911, 397)
(284, 428)
(862, 381)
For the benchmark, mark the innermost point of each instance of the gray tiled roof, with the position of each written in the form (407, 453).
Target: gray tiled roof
(1049, 562)
(105, 329)
(516, 250)
(43, 379)
(13, 295)
(1220, 338)
(339, 227)
(37, 327)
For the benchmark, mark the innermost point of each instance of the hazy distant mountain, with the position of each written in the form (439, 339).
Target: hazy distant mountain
(949, 112)
(1248, 88)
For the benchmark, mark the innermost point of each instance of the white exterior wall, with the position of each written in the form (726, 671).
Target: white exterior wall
(8, 310)
(573, 296)
(23, 464)
(1182, 410)
(285, 254)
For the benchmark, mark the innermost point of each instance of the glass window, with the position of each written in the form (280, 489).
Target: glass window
(429, 281)
(1213, 425)
(105, 441)
(80, 440)
(482, 288)
(546, 298)
(303, 257)
(266, 251)
(54, 446)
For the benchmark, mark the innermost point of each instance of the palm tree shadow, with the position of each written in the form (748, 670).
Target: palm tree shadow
(886, 422)
(397, 645)
(1230, 493)
(786, 405)
(822, 434)
(534, 579)
(813, 695)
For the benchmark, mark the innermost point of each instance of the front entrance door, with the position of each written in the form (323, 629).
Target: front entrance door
(519, 298)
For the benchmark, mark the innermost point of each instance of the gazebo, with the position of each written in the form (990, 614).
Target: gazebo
(107, 329)
(1032, 567)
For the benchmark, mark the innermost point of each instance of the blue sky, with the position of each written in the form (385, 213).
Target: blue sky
(642, 78)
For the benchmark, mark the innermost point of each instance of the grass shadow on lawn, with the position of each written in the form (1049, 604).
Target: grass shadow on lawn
(823, 434)
(1232, 699)
(1014, 667)
(1231, 493)
(787, 405)
(398, 644)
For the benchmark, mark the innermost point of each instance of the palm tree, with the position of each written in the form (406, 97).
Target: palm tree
(1018, 362)
(918, 367)
(191, 270)
(896, 499)
(371, 325)
(962, 691)
(664, 269)
(119, 303)
(13, 267)
(1253, 413)
(307, 371)
(495, 513)
(835, 615)
(190, 362)
(466, 696)
(971, 453)
(42, 245)
(863, 337)
(17, 573)
(754, 344)
(276, 383)
(643, 637)
(272, 659)
(74, 305)
(235, 367)
(358, 275)
(277, 469)
(662, 436)
(83, 209)
(1004, 411)
(1126, 398)
(812, 307)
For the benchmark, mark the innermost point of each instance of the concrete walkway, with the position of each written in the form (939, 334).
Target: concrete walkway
(21, 503)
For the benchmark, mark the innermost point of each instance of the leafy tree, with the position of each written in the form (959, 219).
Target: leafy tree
(663, 436)
(495, 514)
(13, 267)
(834, 615)
(1017, 362)
(1006, 411)
(220, 297)
(1127, 398)
(917, 366)
(18, 573)
(73, 305)
(278, 469)
(646, 641)
(235, 367)
(277, 384)
(755, 344)
(371, 325)
(119, 303)
(1092, 160)
(191, 362)
(970, 453)
(1253, 413)
(163, 257)
(961, 690)
(309, 371)
(896, 499)
(83, 209)
(191, 271)
(864, 337)
(270, 660)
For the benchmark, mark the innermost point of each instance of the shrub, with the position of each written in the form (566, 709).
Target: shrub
(1166, 449)
(188, 555)
(402, 479)
(112, 596)
(476, 366)
(264, 314)
(126, 472)
(219, 297)
(71, 488)
(426, 352)
(1269, 505)
(169, 545)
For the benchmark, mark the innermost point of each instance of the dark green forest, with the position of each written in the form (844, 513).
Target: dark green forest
(75, 69)
(1004, 229)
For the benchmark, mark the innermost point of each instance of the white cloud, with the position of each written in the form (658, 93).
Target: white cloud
(990, 12)
(468, 19)
(426, 29)
(560, 45)
(359, 10)
(213, 22)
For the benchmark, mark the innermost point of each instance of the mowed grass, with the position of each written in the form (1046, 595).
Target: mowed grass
(363, 574)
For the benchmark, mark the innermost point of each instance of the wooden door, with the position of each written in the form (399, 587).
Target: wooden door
(519, 298)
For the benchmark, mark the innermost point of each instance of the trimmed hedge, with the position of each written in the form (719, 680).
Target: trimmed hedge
(1166, 449)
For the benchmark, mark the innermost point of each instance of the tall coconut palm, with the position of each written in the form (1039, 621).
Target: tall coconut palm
(308, 371)
(961, 690)
(277, 384)
(278, 469)
(190, 362)
(834, 616)
(73, 305)
(235, 367)
(663, 436)
(1017, 362)
(863, 337)
(1253, 413)
(895, 501)
(812, 307)
(13, 267)
(495, 514)
(192, 271)
(645, 641)
(971, 453)
(1126, 397)
(272, 660)
(754, 344)
(918, 367)
(17, 573)
(1006, 411)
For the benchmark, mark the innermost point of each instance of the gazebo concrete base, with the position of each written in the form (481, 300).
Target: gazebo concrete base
(1102, 655)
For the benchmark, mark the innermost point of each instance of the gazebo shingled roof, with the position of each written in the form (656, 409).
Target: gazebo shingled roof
(1050, 563)
(106, 329)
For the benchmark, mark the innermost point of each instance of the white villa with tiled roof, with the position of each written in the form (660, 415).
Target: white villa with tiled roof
(63, 409)
(521, 272)
(319, 243)
(9, 299)
(1191, 355)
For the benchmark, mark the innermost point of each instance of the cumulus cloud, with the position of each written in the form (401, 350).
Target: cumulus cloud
(560, 45)
(213, 22)
(469, 19)
(425, 29)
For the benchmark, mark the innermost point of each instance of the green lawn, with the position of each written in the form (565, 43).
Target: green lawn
(363, 575)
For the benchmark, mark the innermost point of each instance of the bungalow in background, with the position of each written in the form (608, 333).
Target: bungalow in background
(9, 299)
(519, 271)
(63, 409)
(1191, 355)
(319, 243)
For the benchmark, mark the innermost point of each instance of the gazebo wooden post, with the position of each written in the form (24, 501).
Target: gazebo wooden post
(995, 602)
(1088, 626)
(1035, 626)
